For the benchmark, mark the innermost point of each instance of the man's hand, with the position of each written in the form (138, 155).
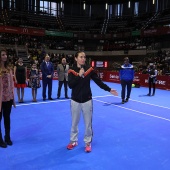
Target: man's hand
(114, 92)
(49, 76)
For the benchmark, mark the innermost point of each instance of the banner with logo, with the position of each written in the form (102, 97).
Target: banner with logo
(101, 74)
(163, 82)
(22, 30)
(61, 34)
(156, 31)
(112, 77)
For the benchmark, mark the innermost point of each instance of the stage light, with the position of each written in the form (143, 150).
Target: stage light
(129, 4)
(106, 6)
(84, 6)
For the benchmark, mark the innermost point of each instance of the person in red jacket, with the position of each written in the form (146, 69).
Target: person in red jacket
(81, 98)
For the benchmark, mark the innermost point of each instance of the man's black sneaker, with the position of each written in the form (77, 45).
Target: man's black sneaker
(127, 99)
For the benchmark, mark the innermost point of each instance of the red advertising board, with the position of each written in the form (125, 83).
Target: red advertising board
(22, 30)
(156, 31)
(112, 77)
(163, 82)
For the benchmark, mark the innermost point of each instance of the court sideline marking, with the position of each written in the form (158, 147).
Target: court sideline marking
(138, 102)
(63, 100)
(133, 110)
(46, 102)
(94, 98)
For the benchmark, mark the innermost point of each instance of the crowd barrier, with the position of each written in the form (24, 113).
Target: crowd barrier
(163, 82)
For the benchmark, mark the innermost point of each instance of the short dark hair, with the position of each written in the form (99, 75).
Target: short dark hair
(126, 59)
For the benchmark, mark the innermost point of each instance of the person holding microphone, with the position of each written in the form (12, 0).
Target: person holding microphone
(79, 78)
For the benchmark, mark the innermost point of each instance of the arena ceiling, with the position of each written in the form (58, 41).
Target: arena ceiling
(96, 1)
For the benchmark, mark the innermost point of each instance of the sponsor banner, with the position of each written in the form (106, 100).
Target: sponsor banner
(22, 30)
(150, 32)
(101, 74)
(112, 77)
(157, 31)
(61, 34)
(137, 78)
(163, 82)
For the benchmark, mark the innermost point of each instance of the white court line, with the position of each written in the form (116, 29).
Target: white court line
(104, 102)
(26, 104)
(35, 103)
(134, 110)
(151, 104)
(141, 102)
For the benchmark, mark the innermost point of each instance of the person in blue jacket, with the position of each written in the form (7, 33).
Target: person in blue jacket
(126, 75)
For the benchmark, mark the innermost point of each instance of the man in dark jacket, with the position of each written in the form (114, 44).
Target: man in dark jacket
(47, 77)
(152, 78)
(126, 75)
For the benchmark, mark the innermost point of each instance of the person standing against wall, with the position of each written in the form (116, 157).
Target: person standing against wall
(47, 77)
(62, 70)
(6, 98)
(126, 75)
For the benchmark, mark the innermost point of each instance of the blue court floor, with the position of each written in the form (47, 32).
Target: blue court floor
(130, 136)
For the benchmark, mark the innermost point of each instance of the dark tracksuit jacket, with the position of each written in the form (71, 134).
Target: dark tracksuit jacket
(81, 91)
(81, 95)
